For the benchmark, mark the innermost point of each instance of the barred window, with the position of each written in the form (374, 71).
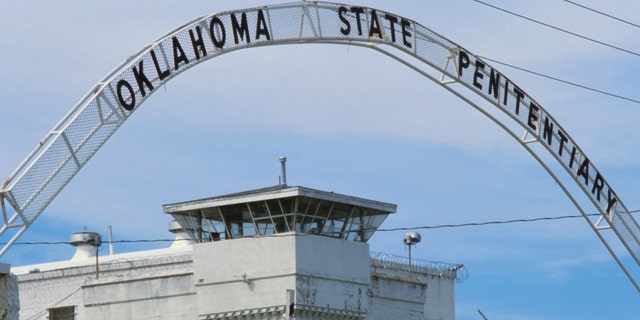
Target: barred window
(62, 313)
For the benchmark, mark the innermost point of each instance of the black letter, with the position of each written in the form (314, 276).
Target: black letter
(142, 79)
(547, 132)
(178, 54)
(218, 43)
(494, 83)
(463, 62)
(123, 103)
(161, 74)
(347, 27)
(392, 26)
(533, 116)
(198, 44)
(358, 11)
(506, 91)
(598, 183)
(375, 25)
(519, 96)
(405, 33)
(240, 31)
(477, 75)
(261, 27)
(611, 200)
(584, 171)
(563, 139)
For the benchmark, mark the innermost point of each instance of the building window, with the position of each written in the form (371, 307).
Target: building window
(62, 313)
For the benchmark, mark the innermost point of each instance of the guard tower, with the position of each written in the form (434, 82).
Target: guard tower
(280, 209)
(284, 252)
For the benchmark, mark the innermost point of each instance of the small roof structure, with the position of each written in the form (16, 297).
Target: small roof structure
(280, 209)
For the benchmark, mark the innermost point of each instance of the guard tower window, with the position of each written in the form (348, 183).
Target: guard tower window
(280, 209)
(62, 313)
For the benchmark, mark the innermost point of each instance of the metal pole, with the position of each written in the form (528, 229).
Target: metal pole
(409, 261)
(97, 268)
(110, 240)
(284, 170)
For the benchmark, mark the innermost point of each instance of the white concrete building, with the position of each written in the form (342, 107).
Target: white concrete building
(275, 253)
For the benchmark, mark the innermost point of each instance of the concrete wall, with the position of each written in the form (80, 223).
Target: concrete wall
(440, 302)
(332, 274)
(240, 274)
(168, 296)
(9, 299)
(396, 298)
(42, 290)
(245, 278)
(252, 273)
(128, 285)
(427, 290)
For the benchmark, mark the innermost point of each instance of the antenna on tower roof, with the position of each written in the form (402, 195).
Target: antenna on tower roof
(283, 176)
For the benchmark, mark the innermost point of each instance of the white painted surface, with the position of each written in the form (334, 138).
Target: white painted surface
(331, 278)
(325, 272)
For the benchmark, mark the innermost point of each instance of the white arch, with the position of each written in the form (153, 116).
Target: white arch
(80, 133)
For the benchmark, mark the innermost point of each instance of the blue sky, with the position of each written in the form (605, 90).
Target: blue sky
(351, 121)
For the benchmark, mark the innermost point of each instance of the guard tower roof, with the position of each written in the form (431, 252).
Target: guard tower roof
(280, 209)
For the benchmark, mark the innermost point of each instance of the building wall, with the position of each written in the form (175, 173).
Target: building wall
(258, 271)
(440, 298)
(436, 297)
(332, 273)
(42, 290)
(124, 281)
(162, 296)
(245, 278)
(396, 298)
(327, 274)
(9, 297)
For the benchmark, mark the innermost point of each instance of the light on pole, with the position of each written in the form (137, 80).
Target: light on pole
(410, 239)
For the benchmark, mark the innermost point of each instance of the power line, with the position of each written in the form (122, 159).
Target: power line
(571, 33)
(602, 13)
(486, 223)
(559, 29)
(563, 81)
(106, 242)
(441, 226)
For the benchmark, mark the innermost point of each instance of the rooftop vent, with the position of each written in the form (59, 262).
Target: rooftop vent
(183, 238)
(86, 244)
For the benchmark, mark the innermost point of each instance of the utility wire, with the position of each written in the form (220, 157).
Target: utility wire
(486, 223)
(442, 226)
(563, 81)
(602, 13)
(559, 29)
(580, 36)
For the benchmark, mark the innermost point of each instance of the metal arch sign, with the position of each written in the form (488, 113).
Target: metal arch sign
(78, 136)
